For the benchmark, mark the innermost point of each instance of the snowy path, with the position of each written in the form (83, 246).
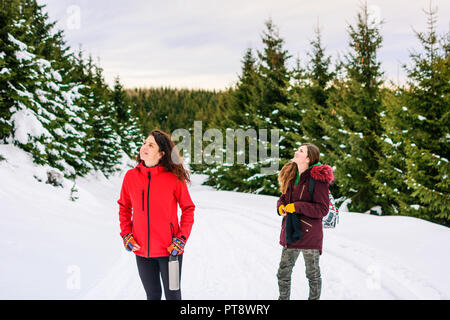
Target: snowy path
(52, 248)
(233, 253)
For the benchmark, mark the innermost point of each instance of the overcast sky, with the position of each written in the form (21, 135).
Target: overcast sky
(200, 44)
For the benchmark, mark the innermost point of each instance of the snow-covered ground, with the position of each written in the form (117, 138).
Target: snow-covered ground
(53, 248)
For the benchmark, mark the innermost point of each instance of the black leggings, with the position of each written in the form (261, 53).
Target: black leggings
(149, 271)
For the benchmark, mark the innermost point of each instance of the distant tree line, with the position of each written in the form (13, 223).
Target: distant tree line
(388, 143)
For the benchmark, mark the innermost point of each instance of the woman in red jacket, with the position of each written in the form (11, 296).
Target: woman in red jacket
(148, 217)
(302, 217)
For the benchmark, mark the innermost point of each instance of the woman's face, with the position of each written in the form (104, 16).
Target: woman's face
(150, 151)
(301, 156)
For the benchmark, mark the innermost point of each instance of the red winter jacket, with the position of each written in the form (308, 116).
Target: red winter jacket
(148, 209)
(311, 211)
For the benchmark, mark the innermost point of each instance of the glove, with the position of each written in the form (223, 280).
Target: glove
(280, 210)
(290, 208)
(177, 244)
(129, 242)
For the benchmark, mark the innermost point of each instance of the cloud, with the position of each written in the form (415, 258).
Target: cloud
(196, 43)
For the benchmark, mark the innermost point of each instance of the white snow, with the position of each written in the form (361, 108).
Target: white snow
(27, 125)
(24, 55)
(22, 46)
(53, 248)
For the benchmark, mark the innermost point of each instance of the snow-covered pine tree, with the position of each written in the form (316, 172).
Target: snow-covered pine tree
(41, 102)
(273, 86)
(7, 16)
(313, 97)
(238, 111)
(46, 93)
(102, 142)
(415, 172)
(126, 124)
(26, 76)
(290, 114)
(254, 105)
(354, 122)
(390, 178)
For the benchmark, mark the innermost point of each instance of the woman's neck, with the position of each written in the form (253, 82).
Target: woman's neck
(150, 165)
(301, 168)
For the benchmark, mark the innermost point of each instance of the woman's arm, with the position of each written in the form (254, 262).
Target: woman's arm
(125, 207)
(187, 209)
(281, 201)
(319, 208)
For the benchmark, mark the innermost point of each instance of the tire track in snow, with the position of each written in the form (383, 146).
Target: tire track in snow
(382, 273)
(243, 243)
(361, 262)
(233, 253)
(121, 281)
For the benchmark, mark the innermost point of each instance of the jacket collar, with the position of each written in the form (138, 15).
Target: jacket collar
(304, 174)
(153, 170)
(322, 172)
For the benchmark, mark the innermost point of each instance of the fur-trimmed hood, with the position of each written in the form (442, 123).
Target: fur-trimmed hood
(322, 172)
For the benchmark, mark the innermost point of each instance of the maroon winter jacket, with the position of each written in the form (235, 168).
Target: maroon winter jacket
(311, 211)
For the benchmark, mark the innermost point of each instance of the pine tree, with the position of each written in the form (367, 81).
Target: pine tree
(8, 15)
(40, 100)
(313, 97)
(417, 139)
(254, 105)
(126, 124)
(102, 141)
(390, 178)
(238, 114)
(272, 93)
(274, 76)
(53, 104)
(354, 122)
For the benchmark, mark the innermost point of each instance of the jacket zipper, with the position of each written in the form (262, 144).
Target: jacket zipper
(143, 192)
(148, 216)
(301, 194)
(306, 222)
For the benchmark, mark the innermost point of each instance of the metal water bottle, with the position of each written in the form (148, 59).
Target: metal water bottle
(174, 271)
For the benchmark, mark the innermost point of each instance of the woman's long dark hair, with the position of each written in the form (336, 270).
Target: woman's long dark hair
(171, 160)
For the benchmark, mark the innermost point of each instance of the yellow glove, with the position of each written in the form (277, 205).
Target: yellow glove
(280, 209)
(290, 208)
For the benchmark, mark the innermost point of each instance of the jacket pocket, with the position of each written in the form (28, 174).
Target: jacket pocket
(172, 231)
(143, 193)
(308, 225)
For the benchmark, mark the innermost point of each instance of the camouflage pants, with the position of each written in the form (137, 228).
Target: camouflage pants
(288, 259)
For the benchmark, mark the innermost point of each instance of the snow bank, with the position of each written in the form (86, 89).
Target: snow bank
(53, 248)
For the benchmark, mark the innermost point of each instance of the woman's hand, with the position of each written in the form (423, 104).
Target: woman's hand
(290, 208)
(177, 244)
(129, 243)
(282, 210)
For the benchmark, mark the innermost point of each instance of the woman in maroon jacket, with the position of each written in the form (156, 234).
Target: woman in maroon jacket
(148, 216)
(302, 217)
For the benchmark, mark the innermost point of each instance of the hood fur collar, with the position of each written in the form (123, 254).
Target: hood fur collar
(322, 172)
